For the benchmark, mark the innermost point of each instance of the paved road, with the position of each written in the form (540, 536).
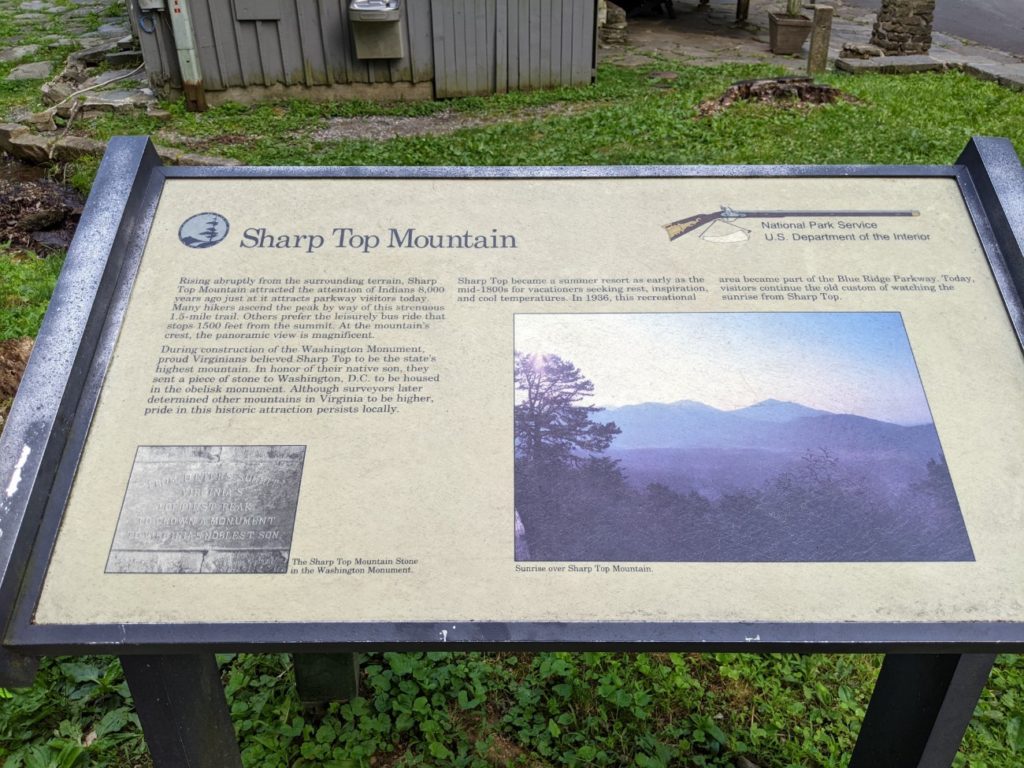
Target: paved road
(997, 23)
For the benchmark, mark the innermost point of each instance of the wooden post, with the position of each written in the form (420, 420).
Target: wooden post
(821, 33)
(742, 10)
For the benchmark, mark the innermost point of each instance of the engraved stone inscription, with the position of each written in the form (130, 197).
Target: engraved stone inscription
(208, 509)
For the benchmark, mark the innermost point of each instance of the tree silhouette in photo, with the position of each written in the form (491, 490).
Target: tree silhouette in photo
(685, 482)
(566, 492)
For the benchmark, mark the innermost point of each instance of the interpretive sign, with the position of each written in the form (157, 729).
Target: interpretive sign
(432, 405)
(322, 410)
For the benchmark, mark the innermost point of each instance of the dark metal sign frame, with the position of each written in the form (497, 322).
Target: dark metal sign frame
(927, 688)
(50, 419)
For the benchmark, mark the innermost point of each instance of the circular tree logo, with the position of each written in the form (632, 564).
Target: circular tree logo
(203, 230)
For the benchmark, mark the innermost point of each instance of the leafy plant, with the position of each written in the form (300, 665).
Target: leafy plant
(26, 282)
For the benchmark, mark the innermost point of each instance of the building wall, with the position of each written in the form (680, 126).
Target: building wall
(462, 46)
(493, 46)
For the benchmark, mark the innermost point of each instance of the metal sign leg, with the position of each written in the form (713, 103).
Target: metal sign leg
(920, 710)
(184, 715)
(321, 678)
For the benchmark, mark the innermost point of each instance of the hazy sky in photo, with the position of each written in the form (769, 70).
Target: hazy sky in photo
(843, 362)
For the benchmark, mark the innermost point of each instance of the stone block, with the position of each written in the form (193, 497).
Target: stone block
(43, 121)
(34, 70)
(891, 65)
(17, 52)
(9, 131)
(31, 148)
(860, 51)
(93, 55)
(1008, 76)
(55, 92)
(73, 147)
(117, 101)
(170, 154)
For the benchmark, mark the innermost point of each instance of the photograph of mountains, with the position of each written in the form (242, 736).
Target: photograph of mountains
(727, 437)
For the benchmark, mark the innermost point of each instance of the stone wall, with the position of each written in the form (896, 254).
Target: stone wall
(904, 27)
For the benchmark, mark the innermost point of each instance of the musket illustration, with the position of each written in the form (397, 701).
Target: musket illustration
(679, 228)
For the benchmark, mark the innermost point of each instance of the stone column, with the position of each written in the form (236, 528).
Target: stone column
(904, 27)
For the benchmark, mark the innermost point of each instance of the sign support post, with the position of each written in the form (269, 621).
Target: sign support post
(184, 714)
(920, 709)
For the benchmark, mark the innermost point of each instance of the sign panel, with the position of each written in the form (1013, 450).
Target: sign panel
(553, 399)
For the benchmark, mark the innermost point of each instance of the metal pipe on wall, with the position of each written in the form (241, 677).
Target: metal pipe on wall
(188, 56)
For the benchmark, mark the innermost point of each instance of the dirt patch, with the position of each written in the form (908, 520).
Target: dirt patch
(204, 143)
(13, 359)
(36, 212)
(785, 92)
(384, 128)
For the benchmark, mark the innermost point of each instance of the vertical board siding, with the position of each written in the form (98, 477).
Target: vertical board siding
(225, 38)
(487, 46)
(250, 68)
(419, 17)
(564, 65)
(206, 46)
(158, 50)
(330, 34)
(311, 45)
(501, 38)
(466, 47)
(314, 65)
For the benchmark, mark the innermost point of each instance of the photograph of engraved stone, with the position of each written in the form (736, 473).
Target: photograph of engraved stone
(727, 437)
(208, 509)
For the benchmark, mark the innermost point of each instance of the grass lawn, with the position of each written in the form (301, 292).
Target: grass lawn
(550, 709)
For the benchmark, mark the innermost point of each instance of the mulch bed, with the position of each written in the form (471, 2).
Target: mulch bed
(785, 92)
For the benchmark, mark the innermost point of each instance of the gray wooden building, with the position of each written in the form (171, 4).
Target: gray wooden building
(241, 50)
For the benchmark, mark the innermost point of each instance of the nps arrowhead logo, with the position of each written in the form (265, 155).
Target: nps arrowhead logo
(204, 230)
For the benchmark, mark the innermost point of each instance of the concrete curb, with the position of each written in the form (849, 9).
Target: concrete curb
(1008, 76)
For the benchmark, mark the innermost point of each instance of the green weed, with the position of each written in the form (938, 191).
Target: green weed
(26, 282)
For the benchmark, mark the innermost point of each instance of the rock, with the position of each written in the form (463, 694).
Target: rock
(169, 154)
(30, 148)
(117, 101)
(129, 58)
(38, 5)
(111, 75)
(904, 27)
(892, 65)
(52, 239)
(43, 121)
(614, 31)
(35, 70)
(157, 113)
(860, 51)
(1008, 76)
(115, 30)
(93, 55)
(8, 131)
(17, 52)
(73, 147)
(56, 91)
(742, 762)
(43, 218)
